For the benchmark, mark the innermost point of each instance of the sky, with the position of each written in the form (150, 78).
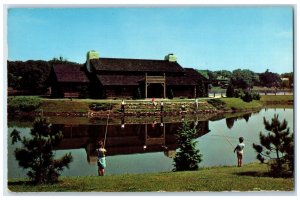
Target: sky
(215, 38)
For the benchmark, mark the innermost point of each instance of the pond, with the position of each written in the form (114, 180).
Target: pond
(150, 146)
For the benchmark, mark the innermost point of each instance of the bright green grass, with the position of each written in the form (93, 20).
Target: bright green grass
(239, 104)
(251, 177)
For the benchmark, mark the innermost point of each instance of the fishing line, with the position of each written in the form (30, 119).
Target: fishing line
(247, 142)
(110, 108)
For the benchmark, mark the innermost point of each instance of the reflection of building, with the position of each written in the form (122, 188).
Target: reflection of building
(133, 138)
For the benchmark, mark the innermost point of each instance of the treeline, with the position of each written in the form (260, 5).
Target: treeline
(32, 76)
(245, 78)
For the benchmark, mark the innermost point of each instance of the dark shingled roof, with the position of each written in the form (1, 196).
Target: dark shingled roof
(190, 77)
(120, 79)
(134, 65)
(70, 73)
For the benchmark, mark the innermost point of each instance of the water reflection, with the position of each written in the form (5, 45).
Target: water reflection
(230, 120)
(135, 146)
(153, 136)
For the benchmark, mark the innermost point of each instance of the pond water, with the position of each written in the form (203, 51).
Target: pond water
(151, 147)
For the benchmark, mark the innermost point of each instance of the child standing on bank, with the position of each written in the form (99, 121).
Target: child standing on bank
(239, 151)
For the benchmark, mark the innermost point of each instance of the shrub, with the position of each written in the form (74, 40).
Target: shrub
(255, 96)
(247, 97)
(188, 157)
(100, 106)
(238, 93)
(216, 103)
(25, 104)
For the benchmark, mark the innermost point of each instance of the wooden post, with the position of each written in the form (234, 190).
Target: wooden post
(195, 91)
(146, 84)
(164, 85)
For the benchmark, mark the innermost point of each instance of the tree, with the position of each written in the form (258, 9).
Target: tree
(59, 60)
(230, 91)
(188, 157)
(212, 77)
(201, 91)
(14, 81)
(277, 146)
(269, 79)
(290, 77)
(224, 73)
(243, 79)
(30, 75)
(37, 152)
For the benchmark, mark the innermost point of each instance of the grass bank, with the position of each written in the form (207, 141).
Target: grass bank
(145, 106)
(251, 177)
(80, 107)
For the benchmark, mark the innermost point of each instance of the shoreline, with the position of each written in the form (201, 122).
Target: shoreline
(144, 108)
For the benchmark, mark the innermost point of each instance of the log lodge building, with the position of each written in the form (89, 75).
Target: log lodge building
(127, 78)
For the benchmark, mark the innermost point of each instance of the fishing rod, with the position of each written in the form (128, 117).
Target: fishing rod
(110, 108)
(246, 142)
(228, 140)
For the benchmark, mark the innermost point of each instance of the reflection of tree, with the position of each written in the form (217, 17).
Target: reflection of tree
(247, 116)
(230, 122)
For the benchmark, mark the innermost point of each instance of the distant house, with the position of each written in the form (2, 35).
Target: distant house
(126, 78)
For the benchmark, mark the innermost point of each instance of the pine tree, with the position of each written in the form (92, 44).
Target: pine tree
(201, 89)
(37, 152)
(277, 146)
(230, 91)
(188, 157)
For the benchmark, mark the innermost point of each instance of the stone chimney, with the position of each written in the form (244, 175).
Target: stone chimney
(171, 57)
(91, 55)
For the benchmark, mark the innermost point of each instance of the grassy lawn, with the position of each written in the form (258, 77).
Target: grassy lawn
(239, 104)
(278, 99)
(251, 177)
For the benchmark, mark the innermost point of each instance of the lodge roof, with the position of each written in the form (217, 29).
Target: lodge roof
(137, 65)
(190, 77)
(119, 79)
(70, 73)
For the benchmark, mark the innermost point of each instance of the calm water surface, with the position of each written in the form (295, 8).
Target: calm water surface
(150, 147)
